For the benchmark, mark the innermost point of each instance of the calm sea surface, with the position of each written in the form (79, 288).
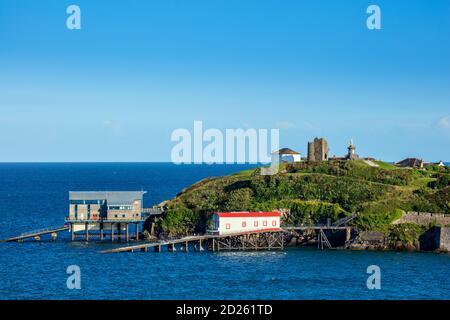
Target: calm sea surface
(34, 196)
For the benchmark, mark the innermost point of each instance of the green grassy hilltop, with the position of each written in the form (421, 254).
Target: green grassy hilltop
(313, 192)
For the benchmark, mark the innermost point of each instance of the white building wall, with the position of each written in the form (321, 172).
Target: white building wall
(290, 158)
(228, 225)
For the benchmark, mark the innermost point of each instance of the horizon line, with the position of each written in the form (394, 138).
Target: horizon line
(160, 162)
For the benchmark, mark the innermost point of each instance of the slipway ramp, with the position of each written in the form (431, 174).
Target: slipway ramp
(36, 233)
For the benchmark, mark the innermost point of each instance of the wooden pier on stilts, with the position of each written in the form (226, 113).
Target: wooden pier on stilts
(255, 240)
(258, 240)
(113, 229)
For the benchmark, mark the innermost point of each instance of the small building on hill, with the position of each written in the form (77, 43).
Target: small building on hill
(410, 163)
(238, 222)
(286, 155)
(440, 164)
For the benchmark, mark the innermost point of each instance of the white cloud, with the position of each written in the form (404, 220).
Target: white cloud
(284, 124)
(444, 122)
(114, 126)
(309, 126)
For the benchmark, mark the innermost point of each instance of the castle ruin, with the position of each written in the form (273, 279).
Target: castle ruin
(318, 150)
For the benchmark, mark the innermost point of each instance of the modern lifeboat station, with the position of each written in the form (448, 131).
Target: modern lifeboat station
(107, 213)
(100, 215)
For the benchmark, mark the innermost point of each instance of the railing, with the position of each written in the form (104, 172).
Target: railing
(337, 223)
(147, 212)
(92, 218)
(344, 220)
(48, 229)
(323, 239)
(318, 225)
(103, 220)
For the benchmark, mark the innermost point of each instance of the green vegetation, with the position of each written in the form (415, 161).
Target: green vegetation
(312, 192)
(406, 233)
(309, 212)
(356, 169)
(378, 221)
(178, 221)
(440, 182)
(385, 165)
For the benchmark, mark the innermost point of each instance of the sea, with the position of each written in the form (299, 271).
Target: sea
(35, 195)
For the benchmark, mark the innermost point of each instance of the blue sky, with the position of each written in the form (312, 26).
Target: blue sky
(137, 70)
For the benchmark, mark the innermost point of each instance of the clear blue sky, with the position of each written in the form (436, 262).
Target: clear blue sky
(115, 90)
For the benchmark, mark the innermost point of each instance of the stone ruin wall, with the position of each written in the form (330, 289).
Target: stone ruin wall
(424, 218)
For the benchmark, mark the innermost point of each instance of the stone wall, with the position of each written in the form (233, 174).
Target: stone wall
(443, 238)
(371, 237)
(424, 218)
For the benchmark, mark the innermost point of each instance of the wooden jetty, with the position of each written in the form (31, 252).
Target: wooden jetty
(258, 240)
(253, 240)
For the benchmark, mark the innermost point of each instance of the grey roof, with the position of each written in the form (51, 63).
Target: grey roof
(112, 197)
(410, 162)
(285, 151)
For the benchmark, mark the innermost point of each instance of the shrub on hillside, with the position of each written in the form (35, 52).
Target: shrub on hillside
(377, 221)
(178, 221)
(406, 233)
(346, 192)
(442, 181)
(310, 212)
(354, 169)
(238, 200)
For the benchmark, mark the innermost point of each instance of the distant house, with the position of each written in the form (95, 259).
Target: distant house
(286, 155)
(410, 163)
(441, 164)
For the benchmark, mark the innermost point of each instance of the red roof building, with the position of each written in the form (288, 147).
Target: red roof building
(239, 222)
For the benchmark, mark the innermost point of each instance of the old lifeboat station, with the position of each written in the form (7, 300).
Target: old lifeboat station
(239, 222)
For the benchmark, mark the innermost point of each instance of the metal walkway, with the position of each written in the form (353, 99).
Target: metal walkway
(36, 233)
(344, 220)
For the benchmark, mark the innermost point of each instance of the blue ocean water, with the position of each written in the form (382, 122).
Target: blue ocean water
(33, 196)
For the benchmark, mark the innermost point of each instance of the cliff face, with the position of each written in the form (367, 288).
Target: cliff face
(312, 192)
